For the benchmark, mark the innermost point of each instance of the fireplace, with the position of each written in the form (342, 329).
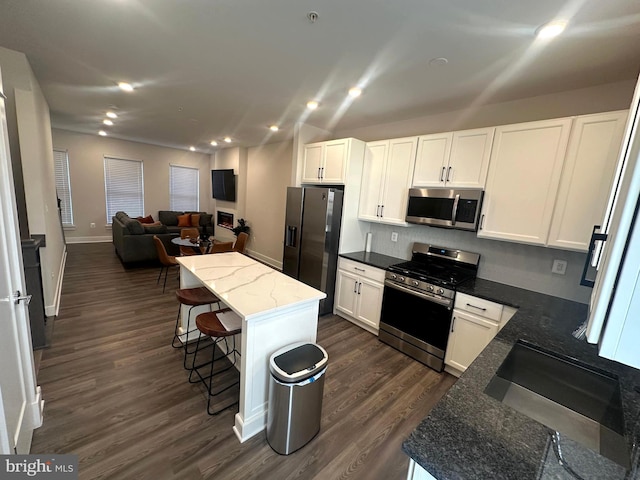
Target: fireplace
(225, 220)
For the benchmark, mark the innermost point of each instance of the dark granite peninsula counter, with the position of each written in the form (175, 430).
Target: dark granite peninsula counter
(470, 435)
(373, 259)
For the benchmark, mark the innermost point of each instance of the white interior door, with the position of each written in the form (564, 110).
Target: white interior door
(20, 406)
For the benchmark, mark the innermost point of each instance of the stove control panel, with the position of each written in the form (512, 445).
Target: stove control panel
(419, 285)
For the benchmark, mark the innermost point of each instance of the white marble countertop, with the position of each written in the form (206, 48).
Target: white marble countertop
(247, 286)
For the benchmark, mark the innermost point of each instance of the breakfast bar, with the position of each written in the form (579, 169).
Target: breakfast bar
(276, 310)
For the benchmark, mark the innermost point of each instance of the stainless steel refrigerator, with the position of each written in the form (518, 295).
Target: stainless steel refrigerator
(311, 235)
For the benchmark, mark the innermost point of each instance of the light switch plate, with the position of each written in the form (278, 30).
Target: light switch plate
(559, 267)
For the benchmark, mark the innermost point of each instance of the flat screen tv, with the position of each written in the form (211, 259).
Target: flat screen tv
(223, 185)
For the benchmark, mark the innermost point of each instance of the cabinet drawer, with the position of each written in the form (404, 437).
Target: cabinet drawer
(361, 269)
(478, 306)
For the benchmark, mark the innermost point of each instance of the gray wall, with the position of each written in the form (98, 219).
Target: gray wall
(86, 171)
(524, 266)
(32, 160)
(601, 98)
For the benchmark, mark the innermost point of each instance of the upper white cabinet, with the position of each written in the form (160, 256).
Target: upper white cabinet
(454, 159)
(586, 178)
(327, 162)
(386, 178)
(522, 184)
(432, 160)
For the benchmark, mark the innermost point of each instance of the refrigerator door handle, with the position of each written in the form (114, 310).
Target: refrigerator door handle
(292, 236)
(595, 237)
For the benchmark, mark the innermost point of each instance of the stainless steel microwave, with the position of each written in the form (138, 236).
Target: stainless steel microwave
(445, 207)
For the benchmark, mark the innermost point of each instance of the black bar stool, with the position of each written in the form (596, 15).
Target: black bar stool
(210, 325)
(194, 297)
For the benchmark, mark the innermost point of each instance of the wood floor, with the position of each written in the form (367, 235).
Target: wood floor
(116, 393)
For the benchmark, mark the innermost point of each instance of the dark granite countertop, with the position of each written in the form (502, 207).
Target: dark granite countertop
(470, 435)
(374, 259)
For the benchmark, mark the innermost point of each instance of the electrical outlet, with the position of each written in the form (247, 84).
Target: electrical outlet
(559, 267)
(93, 225)
(394, 236)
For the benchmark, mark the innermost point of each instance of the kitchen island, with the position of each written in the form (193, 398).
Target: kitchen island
(276, 310)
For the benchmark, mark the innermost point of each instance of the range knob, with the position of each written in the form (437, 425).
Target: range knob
(394, 276)
(401, 279)
(441, 291)
(415, 283)
(430, 288)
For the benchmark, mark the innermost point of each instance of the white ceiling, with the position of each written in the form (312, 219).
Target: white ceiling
(204, 69)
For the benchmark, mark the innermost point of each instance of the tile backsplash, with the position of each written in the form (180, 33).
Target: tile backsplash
(523, 266)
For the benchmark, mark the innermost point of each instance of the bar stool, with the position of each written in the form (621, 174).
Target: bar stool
(209, 324)
(193, 297)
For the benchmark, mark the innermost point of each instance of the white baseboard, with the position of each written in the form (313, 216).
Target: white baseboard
(52, 310)
(103, 239)
(272, 262)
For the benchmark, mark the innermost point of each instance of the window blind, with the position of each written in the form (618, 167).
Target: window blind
(123, 186)
(63, 186)
(183, 188)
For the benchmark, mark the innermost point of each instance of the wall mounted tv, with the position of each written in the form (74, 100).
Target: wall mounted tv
(223, 185)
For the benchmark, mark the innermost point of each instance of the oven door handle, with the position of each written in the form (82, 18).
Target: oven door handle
(432, 298)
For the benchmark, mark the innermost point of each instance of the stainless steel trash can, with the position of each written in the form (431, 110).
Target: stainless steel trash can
(295, 396)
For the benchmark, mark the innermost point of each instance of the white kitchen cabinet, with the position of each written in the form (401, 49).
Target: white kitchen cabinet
(475, 323)
(328, 162)
(386, 179)
(522, 184)
(432, 160)
(468, 337)
(455, 159)
(586, 180)
(359, 289)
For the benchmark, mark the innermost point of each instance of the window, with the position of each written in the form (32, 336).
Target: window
(183, 188)
(123, 187)
(63, 186)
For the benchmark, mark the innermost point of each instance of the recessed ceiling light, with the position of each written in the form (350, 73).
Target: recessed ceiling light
(192, 148)
(112, 115)
(227, 139)
(127, 87)
(551, 29)
(106, 121)
(312, 105)
(102, 133)
(214, 143)
(274, 128)
(355, 92)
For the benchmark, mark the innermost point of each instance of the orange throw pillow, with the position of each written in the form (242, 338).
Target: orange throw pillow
(184, 220)
(195, 219)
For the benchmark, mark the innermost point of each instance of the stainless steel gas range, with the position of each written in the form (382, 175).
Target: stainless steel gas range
(418, 301)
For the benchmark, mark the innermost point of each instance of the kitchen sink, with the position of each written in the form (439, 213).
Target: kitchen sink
(576, 400)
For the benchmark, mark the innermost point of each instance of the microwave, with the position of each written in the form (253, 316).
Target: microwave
(445, 207)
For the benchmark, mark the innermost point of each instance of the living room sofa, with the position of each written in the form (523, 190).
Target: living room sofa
(133, 240)
(169, 218)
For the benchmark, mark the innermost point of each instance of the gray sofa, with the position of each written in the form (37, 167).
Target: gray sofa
(169, 218)
(134, 242)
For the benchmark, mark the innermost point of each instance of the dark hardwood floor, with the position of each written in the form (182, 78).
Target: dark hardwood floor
(116, 393)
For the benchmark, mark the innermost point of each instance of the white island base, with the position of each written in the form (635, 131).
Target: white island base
(276, 310)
